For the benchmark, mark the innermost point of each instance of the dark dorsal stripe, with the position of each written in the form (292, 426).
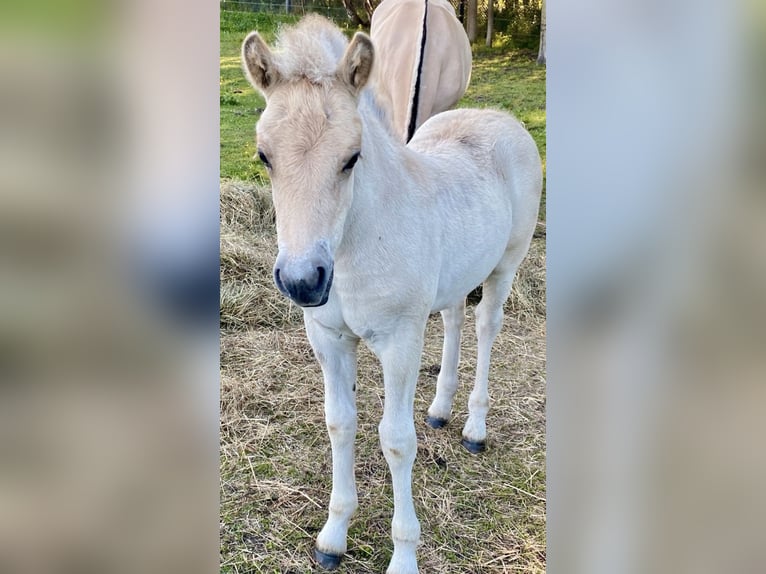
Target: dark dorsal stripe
(416, 94)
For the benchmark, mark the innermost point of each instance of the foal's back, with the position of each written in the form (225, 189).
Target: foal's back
(492, 148)
(486, 184)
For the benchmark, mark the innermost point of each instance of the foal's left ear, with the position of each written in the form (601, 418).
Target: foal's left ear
(259, 63)
(355, 67)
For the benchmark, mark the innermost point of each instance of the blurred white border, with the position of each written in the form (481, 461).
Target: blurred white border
(655, 288)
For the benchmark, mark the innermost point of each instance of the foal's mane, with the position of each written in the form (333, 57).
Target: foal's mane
(309, 50)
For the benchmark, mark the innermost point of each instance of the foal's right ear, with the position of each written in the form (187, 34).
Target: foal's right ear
(259, 63)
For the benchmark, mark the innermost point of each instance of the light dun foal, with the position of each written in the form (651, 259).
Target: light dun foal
(374, 236)
(423, 63)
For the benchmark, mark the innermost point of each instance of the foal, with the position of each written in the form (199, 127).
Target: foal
(374, 236)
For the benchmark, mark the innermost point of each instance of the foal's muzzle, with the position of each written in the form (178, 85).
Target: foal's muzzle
(307, 281)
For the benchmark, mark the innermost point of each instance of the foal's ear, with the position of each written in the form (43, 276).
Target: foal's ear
(356, 65)
(259, 63)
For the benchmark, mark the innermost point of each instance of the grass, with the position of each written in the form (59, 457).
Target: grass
(500, 78)
(240, 103)
(481, 513)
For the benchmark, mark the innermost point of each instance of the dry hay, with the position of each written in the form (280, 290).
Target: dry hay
(248, 250)
(478, 513)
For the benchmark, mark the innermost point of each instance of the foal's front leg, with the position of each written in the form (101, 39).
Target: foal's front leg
(399, 354)
(337, 356)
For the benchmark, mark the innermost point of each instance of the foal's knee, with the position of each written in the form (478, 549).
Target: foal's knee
(398, 441)
(489, 320)
(454, 319)
(341, 428)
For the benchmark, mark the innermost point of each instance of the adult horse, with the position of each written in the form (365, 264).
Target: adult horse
(423, 60)
(374, 236)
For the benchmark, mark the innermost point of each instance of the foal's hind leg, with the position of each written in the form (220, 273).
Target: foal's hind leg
(489, 320)
(446, 384)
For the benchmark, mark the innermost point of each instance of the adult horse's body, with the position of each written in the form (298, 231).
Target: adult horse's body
(374, 236)
(423, 60)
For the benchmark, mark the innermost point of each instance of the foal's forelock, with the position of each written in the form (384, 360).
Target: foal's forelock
(311, 50)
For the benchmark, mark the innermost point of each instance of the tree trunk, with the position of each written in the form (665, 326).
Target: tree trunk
(369, 7)
(541, 50)
(470, 28)
(353, 15)
(490, 23)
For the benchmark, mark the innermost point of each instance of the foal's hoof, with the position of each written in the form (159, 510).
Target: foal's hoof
(326, 561)
(436, 422)
(473, 446)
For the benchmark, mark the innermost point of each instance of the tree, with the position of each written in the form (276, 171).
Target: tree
(541, 50)
(490, 22)
(369, 7)
(353, 14)
(470, 28)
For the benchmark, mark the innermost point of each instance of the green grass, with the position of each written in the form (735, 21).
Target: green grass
(501, 78)
(240, 103)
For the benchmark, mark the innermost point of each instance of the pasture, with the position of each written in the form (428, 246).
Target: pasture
(482, 513)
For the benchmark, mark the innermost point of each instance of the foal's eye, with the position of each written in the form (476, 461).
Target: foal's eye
(351, 162)
(264, 159)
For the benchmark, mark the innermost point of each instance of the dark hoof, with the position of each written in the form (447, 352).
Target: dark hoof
(326, 561)
(436, 423)
(474, 447)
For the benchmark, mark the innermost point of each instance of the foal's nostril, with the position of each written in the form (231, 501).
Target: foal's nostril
(321, 273)
(278, 280)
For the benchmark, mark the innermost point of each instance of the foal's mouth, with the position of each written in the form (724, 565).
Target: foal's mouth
(306, 292)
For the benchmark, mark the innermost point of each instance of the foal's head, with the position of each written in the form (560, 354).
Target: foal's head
(309, 138)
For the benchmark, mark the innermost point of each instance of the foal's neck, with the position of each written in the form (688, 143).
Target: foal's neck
(382, 172)
(380, 180)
